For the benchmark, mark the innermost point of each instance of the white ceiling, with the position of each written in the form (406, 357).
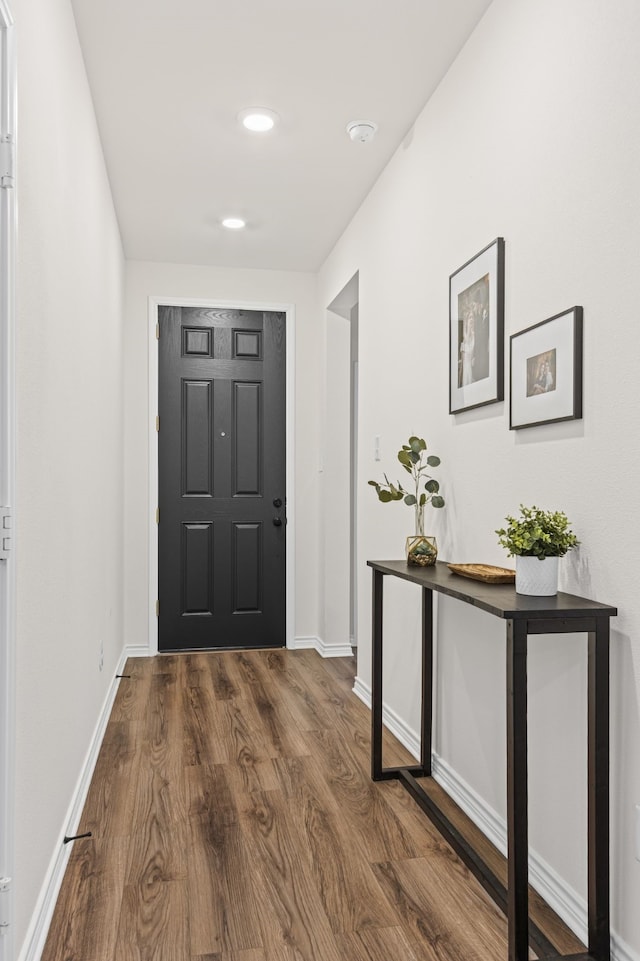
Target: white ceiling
(168, 80)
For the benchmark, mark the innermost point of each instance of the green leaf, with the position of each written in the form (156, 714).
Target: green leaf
(373, 483)
(385, 496)
(404, 458)
(414, 458)
(432, 460)
(423, 500)
(409, 500)
(417, 444)
(432, 486)
(437, 501)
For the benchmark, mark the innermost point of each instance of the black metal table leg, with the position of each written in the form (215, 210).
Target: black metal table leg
(426, 726)
(517, 799)
(376, 679)
(598, 790)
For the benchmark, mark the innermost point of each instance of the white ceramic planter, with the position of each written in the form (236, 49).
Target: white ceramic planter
(535, 577)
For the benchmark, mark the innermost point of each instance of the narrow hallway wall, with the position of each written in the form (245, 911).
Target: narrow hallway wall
(533, 135)
(69, 452)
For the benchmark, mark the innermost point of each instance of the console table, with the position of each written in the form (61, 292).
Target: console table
(523, 615)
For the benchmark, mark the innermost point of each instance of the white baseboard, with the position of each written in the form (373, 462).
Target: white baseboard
(324, 650)
(407, 737)
(137, 650)
(620, 950)
(41, 919)
(566, 902)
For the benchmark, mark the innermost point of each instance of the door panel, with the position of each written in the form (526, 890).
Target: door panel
(197, 572)
(221, 469)
(197, 431)
(247, 569)
(248, 456)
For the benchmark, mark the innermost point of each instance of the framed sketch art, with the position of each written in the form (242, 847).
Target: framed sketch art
(476, 330)
(546, 371)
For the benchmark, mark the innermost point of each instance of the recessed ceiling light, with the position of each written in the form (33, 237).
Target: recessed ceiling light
(258, 119)
(234, 223)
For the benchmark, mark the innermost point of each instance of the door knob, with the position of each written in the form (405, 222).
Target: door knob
(277, 502)
(277, 522)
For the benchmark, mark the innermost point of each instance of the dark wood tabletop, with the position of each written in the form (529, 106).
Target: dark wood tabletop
(498, 599)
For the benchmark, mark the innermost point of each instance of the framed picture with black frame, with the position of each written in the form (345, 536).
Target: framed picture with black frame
(476, 330)
(546, 371)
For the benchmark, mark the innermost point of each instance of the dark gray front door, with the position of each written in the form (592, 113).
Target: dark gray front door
(221, 478)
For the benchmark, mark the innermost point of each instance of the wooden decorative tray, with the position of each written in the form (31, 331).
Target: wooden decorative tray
(484, 572)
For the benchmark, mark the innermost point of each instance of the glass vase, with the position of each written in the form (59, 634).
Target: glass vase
(421, 550)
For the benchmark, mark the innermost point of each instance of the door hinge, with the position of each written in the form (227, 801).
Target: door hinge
(157, 608)
(7, 162)
(157, 423)
(157, 331)
(6, 532)
(157, 515)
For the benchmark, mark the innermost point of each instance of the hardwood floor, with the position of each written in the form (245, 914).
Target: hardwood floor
(234, 819)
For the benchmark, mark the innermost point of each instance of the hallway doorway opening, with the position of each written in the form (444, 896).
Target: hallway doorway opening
(341, 466)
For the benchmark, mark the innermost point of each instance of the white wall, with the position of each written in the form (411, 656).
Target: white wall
(69, 456)
(534, 135)
(178, 281)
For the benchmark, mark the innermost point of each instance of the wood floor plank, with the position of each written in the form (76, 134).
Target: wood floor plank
(160, 786)
(234, 819)
(425, 837)
(108, 809)
(381, 833)
(291, 912)
(306, 708)
(377, 944)
(224, 687)
(252, 955)
(132, 691)
(222, 894)
(202, 723)
(154, 922)
(281, 734)
(88, 908)
(157, 847)
(448, 916)
(350, 893)
(346, 712)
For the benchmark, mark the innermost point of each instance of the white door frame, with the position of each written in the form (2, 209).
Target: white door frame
(289, 311)
(8, 86)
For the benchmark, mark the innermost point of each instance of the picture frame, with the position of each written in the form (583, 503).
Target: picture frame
(545, 371)
(476, 330)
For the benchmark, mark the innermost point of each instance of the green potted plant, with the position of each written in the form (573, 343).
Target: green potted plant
(536, 539)
(421, 548)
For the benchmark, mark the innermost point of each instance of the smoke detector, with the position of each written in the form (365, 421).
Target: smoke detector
(362, 131)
